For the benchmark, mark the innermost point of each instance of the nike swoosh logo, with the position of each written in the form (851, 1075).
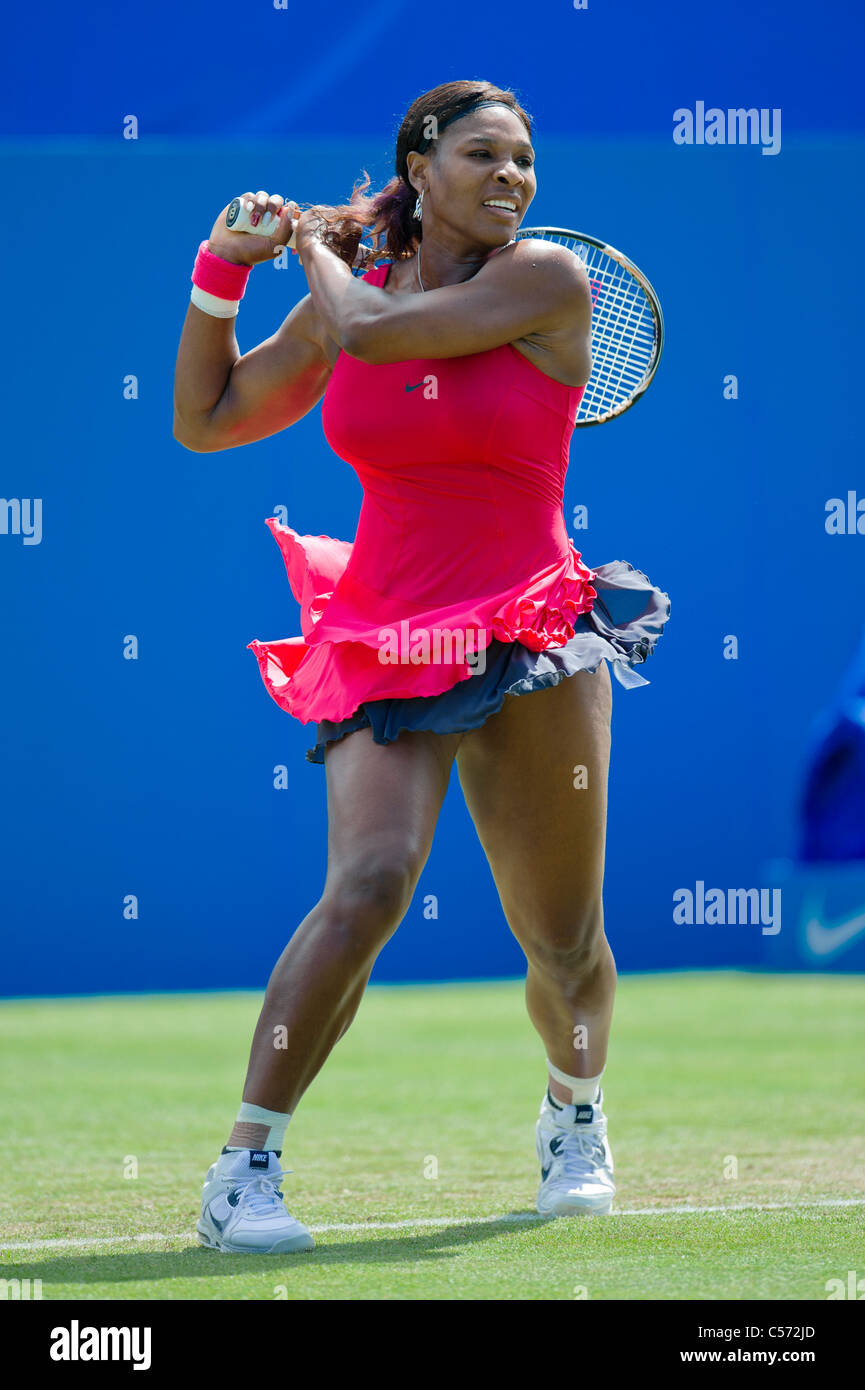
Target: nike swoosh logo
(825, 939)
(221, 1224)
(413, 388)
(545, 1173)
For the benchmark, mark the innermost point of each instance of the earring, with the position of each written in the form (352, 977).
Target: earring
(418, 207)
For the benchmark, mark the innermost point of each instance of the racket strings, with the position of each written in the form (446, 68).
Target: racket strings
(623, 335)
(624, 331)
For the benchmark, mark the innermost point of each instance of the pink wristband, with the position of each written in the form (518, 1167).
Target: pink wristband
(219, 277)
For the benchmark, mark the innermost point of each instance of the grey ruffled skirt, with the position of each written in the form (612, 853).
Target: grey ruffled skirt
(623, 628)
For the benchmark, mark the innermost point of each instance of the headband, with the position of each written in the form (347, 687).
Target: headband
(425, 143)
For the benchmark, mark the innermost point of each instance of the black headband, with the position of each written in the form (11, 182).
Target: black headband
(425, 143)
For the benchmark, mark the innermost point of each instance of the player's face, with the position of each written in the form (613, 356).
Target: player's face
(484, 155)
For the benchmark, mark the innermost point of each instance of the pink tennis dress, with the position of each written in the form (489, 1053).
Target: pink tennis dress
(462, 462)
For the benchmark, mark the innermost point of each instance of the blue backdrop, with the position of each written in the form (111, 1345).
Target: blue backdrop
(153, 778)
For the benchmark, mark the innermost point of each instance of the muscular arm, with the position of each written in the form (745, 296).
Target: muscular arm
(223, 399)
(529, 289)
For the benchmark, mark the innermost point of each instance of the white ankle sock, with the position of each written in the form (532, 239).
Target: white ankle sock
(277, 1121)
(584, 1089)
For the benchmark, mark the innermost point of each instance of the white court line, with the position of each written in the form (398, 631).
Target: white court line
(434, 1221)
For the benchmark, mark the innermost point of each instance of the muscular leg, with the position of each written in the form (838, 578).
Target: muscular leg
(545, 842)
(383, 804)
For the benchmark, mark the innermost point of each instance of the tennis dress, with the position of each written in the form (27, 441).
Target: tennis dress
(462, 585)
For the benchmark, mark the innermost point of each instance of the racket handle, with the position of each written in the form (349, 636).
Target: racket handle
(237, 220)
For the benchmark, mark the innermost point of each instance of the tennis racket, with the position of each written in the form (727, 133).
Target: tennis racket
(627, 325)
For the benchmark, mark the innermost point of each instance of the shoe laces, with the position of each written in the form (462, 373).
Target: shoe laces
(580, 1149)
(260, 1192)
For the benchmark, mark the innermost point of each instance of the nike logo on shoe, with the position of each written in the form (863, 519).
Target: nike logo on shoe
(555, 1146)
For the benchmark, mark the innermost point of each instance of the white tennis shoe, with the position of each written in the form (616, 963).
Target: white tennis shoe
(242, 1208)
(576, 1163)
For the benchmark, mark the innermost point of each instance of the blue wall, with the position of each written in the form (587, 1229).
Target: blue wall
(154, 777)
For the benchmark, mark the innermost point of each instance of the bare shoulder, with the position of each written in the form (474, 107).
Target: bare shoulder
(553, 279)
(544, 262)
(556, 281)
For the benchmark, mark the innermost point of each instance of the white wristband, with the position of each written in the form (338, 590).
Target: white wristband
(212, 304)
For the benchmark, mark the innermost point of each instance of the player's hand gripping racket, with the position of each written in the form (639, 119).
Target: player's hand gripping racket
(237, 220)
(627, 325)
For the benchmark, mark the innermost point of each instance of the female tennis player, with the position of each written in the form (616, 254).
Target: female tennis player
(451, 375)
